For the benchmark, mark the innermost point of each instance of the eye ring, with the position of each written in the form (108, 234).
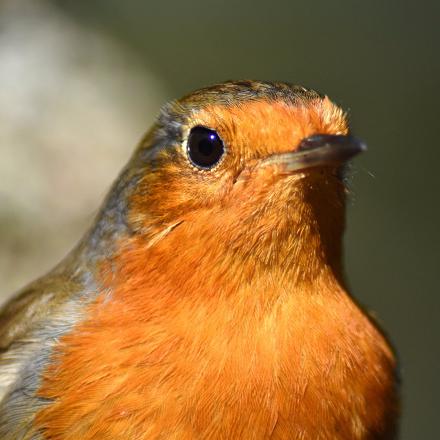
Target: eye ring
(204, 147)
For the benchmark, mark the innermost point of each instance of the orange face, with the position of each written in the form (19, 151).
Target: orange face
(243, 196)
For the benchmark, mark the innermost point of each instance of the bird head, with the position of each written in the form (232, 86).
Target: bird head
(250, 169)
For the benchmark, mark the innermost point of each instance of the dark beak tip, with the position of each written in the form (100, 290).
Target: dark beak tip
(355, 142)
(346, 144)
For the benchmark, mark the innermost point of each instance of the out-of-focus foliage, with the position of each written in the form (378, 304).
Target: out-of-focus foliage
(70, 113)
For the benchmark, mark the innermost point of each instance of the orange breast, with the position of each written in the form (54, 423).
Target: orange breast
(169, 353)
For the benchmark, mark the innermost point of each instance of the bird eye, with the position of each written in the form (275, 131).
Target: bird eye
(204, 147)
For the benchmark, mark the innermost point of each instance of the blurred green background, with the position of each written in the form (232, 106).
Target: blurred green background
(81, 81)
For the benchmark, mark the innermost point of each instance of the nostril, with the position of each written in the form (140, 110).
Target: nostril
(310, 142)
(319, 140)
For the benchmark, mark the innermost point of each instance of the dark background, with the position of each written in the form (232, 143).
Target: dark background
(379, 60)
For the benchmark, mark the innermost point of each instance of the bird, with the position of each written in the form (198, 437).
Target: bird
(208, 300)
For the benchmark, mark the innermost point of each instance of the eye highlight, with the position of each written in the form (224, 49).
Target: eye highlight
(204, 147)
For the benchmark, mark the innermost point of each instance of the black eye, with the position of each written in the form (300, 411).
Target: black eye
(205, 148)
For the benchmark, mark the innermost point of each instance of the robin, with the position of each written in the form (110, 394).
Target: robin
(208, 299)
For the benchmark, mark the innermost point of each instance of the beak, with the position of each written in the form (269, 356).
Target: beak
(320, 150)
